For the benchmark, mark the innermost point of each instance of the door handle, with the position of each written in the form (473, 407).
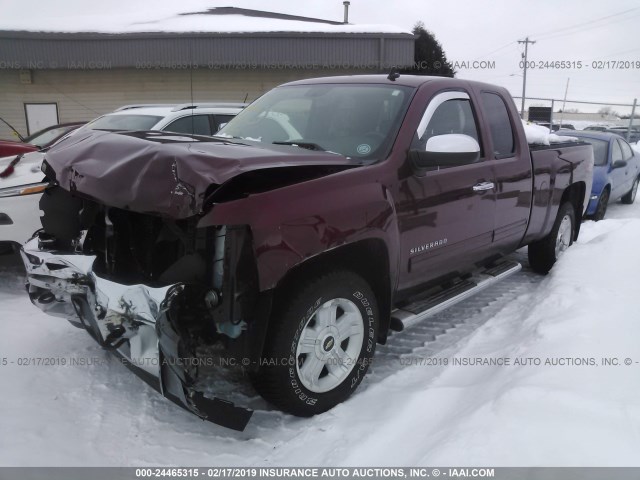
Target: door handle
(481, 187)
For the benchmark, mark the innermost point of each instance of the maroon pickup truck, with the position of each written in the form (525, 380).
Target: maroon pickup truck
(326, 214)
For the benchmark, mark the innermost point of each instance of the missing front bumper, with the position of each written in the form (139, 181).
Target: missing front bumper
(130, 320)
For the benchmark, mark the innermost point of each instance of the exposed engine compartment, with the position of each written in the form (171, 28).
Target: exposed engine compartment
(214, 265)
(130, 247)
(175, 301)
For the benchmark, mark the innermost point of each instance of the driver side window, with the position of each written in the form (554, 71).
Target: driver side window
(616, 153)
(453, 115)
(626, 150)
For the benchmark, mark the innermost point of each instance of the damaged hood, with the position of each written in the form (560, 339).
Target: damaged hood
(163, 173)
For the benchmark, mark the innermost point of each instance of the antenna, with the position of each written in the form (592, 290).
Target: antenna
(245, 97)
(393, 75)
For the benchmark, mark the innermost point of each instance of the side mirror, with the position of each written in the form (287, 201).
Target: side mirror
(619, 164)
(450, 150)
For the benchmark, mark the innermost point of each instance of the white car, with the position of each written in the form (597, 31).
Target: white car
(20, 191)
(198, 118)
(19, 197)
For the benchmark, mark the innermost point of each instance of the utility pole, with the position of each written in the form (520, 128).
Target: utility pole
(564, 102)
(633, 114)
(526, 42)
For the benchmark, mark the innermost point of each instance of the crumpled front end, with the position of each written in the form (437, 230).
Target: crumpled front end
(158, 320)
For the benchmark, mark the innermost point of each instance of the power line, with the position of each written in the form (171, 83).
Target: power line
(603, 55)
(571, 27)
(588, 28)
(496, 50)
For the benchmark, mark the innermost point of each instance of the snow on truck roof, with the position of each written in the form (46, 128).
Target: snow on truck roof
(176, 19)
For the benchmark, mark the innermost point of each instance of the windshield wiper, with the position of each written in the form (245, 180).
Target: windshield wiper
(13, 129)
(307, 145)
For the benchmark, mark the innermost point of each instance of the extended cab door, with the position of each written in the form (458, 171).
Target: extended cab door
(511, 163)
(446, 200)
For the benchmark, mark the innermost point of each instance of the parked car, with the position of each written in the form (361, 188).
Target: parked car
(19, 196)
(597, 128)
(616, 172)
(556, 126)
(39, 140)
(329, 212)
(634, 133)
(198, 118)
(20, 190)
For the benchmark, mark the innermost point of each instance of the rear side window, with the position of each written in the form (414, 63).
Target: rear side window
(193, 124)
(499, 125)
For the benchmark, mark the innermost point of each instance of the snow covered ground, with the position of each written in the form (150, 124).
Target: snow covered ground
(568, 414)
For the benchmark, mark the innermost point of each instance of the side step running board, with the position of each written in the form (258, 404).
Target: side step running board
(427, 306)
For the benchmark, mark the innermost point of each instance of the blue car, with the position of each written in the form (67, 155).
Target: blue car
(616, 171)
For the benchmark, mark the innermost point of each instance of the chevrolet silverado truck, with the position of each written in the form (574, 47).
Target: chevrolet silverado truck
(328, 213)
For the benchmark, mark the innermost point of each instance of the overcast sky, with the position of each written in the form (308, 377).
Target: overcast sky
(568, 30)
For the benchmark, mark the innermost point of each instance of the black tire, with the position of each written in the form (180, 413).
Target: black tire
(543, 254)
(601, 209)
(279, 380)
(630, 197)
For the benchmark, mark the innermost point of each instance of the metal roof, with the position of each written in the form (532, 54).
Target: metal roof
(261, 14)
(263, 50)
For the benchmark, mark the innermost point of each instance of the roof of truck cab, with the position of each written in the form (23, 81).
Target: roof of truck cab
(405, 80)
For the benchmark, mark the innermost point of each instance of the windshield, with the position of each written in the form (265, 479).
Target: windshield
(600, 150)
(43, 138)
(353, 120)
(124, 122)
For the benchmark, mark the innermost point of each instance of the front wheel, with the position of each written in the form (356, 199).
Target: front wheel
(320, 344)
(601, 209)
(630, 197)
(544, 253)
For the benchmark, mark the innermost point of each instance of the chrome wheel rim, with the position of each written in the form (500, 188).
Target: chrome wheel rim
(329, 345)
(634, 191)
(563, 239)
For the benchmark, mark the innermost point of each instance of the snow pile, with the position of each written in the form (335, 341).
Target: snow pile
(177, 21)
(571, 410)
(539, 135)
(566, 412)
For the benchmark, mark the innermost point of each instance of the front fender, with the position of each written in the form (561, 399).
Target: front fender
(297, 222)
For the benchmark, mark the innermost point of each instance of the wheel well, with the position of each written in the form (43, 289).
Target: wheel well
(574, 194)
(367, 258)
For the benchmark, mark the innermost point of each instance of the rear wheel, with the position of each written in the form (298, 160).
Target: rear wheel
(601, 209)
(630, 197)
(544, 253)
(320, 345)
